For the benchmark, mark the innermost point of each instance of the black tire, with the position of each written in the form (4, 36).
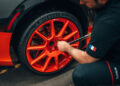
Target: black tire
(29, 27)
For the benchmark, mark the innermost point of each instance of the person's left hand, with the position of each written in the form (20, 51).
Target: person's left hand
(63, 46)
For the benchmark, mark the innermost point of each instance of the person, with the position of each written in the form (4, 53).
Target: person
(100, 62)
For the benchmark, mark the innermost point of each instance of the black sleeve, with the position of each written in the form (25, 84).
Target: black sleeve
(103, 37)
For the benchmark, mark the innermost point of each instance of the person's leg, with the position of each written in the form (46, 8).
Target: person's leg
(94, 74)
(115, 72)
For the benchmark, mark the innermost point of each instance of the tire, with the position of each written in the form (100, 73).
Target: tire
(37, 44)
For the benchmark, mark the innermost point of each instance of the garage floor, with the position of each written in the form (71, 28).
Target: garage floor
(20, 76)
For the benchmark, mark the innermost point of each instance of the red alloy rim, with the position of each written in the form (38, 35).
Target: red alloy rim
(42, 52)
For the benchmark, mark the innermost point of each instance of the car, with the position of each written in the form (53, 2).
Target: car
(30, 29)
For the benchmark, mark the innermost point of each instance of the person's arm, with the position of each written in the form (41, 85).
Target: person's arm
(79, 55)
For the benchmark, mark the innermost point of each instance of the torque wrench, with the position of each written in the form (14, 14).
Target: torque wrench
(80, 39)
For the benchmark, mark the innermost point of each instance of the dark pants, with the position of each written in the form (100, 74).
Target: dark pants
(102, 73)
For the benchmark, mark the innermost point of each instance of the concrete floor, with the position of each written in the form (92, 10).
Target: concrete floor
(23, 77)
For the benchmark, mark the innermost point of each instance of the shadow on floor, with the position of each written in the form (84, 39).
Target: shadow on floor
(23, 77)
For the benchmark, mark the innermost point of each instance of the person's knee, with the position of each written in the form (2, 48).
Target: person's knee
(79, 75)
(76, 73)
(87, 73)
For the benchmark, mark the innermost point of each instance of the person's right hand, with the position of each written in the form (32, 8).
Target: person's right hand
(63, 46)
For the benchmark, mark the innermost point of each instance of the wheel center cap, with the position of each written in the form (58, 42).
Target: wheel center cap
(51, 43)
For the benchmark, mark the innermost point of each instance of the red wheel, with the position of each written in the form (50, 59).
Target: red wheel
(42, 52)
(38, 45)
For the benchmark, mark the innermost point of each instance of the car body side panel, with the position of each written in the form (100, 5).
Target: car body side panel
(5, 59)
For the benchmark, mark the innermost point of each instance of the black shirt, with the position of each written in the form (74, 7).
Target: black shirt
(105, 38)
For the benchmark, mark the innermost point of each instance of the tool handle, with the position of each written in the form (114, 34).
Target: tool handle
(80, 39)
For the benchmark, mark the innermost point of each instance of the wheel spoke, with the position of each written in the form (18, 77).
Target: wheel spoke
(56, 62)
(70, 35)
(63, 29)
(74, 45)
(52, 28)
(40, 47)
(46, 64)
(70, 57)
(64, 54)
(42, 36)
(38, 58)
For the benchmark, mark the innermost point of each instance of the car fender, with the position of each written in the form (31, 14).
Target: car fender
(25, 7)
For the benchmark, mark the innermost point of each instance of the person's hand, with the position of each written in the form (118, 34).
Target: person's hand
(63, 46)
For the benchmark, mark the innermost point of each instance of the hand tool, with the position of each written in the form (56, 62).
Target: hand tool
(80, 39)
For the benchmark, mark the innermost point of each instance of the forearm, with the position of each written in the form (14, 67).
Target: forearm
(81, 56)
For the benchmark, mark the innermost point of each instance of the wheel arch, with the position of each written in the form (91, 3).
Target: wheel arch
(27, 11)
